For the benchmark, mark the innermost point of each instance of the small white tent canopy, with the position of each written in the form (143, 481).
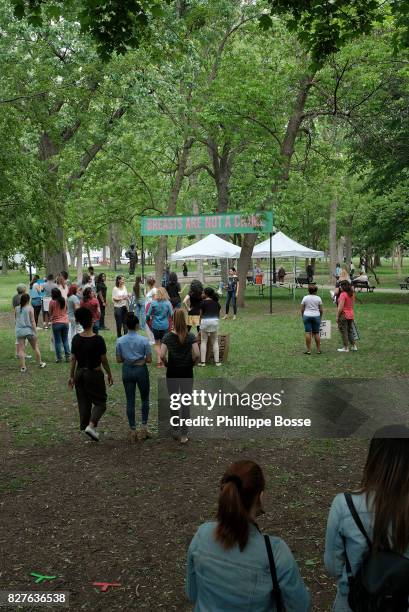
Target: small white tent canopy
(283, 246)
(210, 247)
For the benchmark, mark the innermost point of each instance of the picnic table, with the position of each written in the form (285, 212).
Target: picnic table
(405, 283)
(300, 281)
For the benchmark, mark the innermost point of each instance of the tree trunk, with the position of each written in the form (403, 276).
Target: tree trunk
(171, 207)
(377, 260)
(88, 255)
(333, 255)
(348, 250)
(104, 255)
(313, 262)
(114, 246)
(287, 152)
(4, 269)
(55, 256)
(340, 250)
(196, 211)
(80, 245)
(222, 163)
(399, 258)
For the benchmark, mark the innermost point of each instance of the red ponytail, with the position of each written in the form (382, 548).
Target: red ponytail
(241, 485)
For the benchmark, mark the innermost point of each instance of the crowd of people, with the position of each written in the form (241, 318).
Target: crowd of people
(75, 312)
(231, 565)
(162, 314)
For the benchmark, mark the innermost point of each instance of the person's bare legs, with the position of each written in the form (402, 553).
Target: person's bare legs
(21, 353)
(308, 341)
(34, 344)
(317, 339)
(157, 349)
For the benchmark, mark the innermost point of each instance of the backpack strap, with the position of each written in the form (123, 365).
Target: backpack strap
(273, 571)
(357, 519)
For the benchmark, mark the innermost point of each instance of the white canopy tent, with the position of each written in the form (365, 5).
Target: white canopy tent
(283, 246)
(210, 247)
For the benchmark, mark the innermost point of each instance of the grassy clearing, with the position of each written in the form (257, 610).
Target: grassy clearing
(39, 409)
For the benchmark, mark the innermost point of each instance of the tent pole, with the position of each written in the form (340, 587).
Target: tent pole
(270, 278)
(295, 273)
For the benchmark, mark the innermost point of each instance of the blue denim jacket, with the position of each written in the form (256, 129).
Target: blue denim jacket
(341, 528)
(220, 580)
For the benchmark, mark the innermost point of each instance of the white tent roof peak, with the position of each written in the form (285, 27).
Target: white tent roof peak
(283, 246)
(210, 247)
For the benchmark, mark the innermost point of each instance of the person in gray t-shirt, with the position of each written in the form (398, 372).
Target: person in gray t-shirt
(21, 288)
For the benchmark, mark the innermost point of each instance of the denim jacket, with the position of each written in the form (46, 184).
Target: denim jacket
(342, 533)
(220, 580)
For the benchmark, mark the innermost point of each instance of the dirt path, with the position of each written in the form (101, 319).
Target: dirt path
(114, 512)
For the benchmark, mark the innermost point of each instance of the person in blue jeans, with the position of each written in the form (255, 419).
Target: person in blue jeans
(228, 565)
(382, 505)
(134, 352)
(137, 302)
(232, 288)
(311, 312)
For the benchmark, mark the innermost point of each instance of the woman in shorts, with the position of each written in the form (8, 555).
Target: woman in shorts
(311, 312)
(192, 304)
(26, 329)
(160, 312)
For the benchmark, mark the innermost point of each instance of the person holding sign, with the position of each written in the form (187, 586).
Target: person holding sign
(311, 312)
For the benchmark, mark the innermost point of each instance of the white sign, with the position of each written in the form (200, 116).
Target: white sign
(325, 330)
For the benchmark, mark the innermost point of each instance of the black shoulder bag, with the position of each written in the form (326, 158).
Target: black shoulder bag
(273, 572)
(381, 583)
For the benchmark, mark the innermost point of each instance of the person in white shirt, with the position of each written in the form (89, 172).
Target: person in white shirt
(120, 299)
(311, 312)
(150, 295)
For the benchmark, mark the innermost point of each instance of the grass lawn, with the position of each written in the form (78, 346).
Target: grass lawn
(125, 513)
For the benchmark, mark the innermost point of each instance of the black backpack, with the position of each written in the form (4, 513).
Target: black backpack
(382, 582)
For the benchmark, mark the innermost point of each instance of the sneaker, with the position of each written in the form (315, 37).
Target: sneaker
(92, 433)
(226, 317)
(23, 370)
(42, 364)
(28, 356)
(234, 317)
(218, 363)
(354, 348)
(58, 361)
(201, 365)
(184, 440)
(67, 359)
(343, 350)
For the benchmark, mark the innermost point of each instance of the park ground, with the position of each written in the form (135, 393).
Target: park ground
(115, 512)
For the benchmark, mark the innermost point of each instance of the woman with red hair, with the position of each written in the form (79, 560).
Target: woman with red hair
(231, 565)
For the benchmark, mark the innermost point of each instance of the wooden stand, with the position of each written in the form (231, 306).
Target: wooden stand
(224, 345)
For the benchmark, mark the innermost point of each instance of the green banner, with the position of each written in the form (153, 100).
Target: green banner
(232, 223)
